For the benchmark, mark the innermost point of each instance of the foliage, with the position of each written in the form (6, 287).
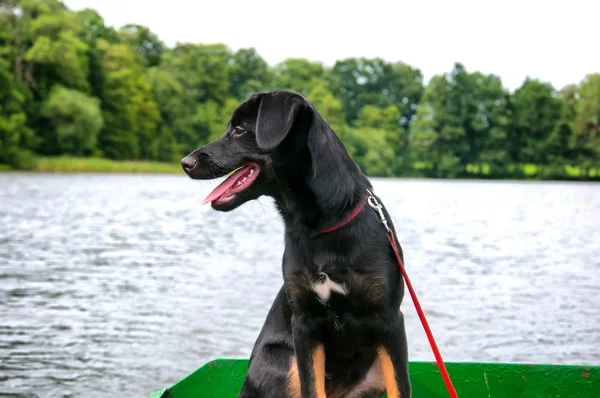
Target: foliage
(535, 116)
(462, 120)
(587, 122)
(15, 136)
(130, 112)
(248, 73)
(76, 120)
(299, 75)
(144, 44)
(368, 147)
(72, 86)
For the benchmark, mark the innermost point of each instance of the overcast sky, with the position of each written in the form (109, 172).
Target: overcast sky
(555, 41)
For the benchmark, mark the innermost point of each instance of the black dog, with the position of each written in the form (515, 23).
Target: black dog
(335, 329)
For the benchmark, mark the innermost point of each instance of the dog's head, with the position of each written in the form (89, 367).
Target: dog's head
(271, 139)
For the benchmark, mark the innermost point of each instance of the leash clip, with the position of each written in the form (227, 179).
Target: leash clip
(375, 205)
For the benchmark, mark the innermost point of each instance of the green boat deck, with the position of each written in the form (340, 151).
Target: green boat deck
(223, 378)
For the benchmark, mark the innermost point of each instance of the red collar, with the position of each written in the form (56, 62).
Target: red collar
(350, 218)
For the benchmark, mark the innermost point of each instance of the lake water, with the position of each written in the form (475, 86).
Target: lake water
(116, 285)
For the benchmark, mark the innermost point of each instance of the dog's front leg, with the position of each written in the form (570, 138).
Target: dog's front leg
(393, 357)
(310, 359)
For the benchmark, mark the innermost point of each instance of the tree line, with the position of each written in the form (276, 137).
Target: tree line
(70, 85)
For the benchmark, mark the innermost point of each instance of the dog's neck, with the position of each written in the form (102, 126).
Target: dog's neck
(313, 200)
(304, 213)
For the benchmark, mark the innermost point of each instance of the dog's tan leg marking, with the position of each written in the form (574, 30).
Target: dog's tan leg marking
(318, 355)
(389, 375)
(293, 381)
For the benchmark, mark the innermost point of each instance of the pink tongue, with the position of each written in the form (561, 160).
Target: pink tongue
(225, 185)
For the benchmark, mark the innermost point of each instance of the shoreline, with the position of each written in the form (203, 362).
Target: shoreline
(62, 164)
(75, 165)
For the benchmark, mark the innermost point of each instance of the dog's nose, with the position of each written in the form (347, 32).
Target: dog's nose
(188, 163)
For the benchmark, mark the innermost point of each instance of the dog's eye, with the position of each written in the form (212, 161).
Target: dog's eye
(238, 132)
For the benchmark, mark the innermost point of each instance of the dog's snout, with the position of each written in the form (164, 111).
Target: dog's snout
(188, 162)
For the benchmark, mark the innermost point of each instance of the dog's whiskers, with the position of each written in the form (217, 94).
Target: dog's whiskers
(264, 211)
(278, 182)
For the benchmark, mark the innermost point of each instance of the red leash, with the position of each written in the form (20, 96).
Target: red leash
(436, 352)
(438, 357)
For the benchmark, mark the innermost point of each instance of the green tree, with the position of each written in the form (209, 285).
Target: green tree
(56, 54)
(536, 111)
(167, 93)
(299, 74)
(405, 91)
(11, 36)
(435, 143)
(488, 124)
(363, 81)
(45, 50)
(143, 42)
(94, 30)
(202, 69)
(248, 73)
(15, 136)
(561, 151)
(71, 84)
(76, 119)
(129, 111)
(201, 72)
(587, 122)
(328, 106)
(380, 118)
(369, 148)
(386, 120)
(463, 120)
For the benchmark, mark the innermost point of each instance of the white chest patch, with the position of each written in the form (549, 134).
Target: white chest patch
(325, 286)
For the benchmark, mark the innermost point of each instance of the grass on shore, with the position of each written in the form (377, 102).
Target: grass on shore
(70, 164)
(523, 172)
(80, 165)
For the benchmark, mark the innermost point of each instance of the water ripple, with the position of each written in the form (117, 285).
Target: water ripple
(113, 283)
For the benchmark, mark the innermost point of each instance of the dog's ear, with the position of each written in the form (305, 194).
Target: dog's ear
(276, 116)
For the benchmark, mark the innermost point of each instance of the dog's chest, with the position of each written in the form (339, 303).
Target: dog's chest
(324, 286)
(343, 288)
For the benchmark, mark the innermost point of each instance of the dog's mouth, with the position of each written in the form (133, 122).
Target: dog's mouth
(241, 179)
